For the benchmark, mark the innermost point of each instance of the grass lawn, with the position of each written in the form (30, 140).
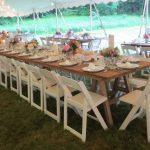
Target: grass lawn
(76, 23)
(23, 127)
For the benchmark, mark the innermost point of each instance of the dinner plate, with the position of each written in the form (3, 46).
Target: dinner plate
(71, 63)
(12, 52)
(95, 69)
(24, 54)
(127, 65)
(36, 57)
(5, 51)
(50, 59)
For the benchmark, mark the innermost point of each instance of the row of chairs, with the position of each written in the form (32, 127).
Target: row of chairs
(93, 45)
(134, 50)
(52, 86)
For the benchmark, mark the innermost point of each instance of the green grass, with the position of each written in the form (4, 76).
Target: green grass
(23, 127)
(77, 23)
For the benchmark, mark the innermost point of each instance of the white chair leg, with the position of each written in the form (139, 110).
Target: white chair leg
(84, 125)
(148, 117)
(58, 108)
(129, 118)
(65, 113)
(100, 118)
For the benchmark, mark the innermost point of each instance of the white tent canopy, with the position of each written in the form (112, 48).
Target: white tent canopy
(26, 7)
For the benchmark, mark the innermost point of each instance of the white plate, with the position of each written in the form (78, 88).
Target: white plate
(50, 59)
(5, 51)
(24, 54)
(95, 69)
(12, 52)
(127, 65)
(36, 57)
(71, 63)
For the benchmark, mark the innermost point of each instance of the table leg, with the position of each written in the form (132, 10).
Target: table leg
(94, 85)
(103, 91)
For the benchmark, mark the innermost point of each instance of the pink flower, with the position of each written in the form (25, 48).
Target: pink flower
(66, 48)
(146, 36)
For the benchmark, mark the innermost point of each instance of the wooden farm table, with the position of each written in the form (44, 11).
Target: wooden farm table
(137, 44)
(100, 78)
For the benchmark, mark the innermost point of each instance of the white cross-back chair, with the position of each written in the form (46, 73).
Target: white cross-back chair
(14, 76)
(94, 45)
(129, 49)
(43, 40)
(24, 81)
(140, 100)
(145, 50)
(84, 101)
(4, 71)
(35, 86)
(51, 89)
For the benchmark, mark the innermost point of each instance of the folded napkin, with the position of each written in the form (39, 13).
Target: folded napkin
(92, 66)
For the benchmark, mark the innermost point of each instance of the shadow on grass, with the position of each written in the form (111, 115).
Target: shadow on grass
(23, 127)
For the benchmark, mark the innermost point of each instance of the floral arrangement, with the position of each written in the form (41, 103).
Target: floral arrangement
(31, 45)
(58, 33)
(146, 36)
(69, 33)
(110, 52)
(71, 46)
(14, 41)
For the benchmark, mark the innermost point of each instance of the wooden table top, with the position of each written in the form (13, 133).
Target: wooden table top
(77, 69)
(137, 44)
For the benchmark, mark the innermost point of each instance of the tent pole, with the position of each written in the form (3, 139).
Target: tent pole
(147, 14)
(34, 22)
(143, 18)
(44, 29)
(18, 23)
(100, 22)
(91, 17)
(63, 18)
(56, 12)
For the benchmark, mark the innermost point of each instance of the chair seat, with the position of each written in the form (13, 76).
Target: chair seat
(132, 97)
(52, 91)
(79, 99)
(137, 82)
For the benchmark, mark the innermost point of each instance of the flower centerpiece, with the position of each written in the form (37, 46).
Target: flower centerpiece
(71, 47)
(110, 52)
(13, 42)
(69, 33)
(146, 37)
(31, 45)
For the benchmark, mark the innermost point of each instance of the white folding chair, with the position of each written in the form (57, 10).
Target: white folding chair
(36, 88)
(83, 102)
(24, 81)
(4, 71)
(51, 90)
(140, 100)
(145, 50)
(94, 45)
(129, 49)
(14, 76)
(43, 40)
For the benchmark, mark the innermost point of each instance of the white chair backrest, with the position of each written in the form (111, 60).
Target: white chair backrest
(22, 68)
(127, 48)
(43, 40)
(144, 94)
(34, 71)
(48, 76)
